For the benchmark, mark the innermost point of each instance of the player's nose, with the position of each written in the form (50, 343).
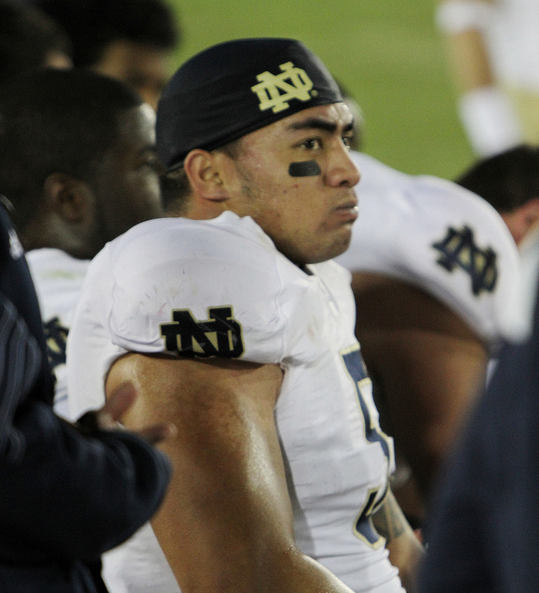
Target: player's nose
(342, 170)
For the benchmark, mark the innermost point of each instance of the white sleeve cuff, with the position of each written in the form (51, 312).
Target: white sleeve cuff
(457, 16)
(490, 121)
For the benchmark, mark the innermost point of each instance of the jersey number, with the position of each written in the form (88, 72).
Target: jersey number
(364, 528)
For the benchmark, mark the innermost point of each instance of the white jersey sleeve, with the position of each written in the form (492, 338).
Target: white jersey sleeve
(439, 237)
(226, 295)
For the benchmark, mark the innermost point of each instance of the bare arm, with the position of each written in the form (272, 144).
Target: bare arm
(487, 113)
(427, 362)
(226, 523)
(405, 550)
(468, 56)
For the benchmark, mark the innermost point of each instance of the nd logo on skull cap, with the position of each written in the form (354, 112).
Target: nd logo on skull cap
(234, 88)
(276, 91)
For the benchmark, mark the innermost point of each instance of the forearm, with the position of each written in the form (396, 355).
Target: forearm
(226, 523)
(487, 114)
(469, 61)
(219, 535)
(405, 550)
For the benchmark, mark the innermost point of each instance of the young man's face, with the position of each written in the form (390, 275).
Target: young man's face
(142, 67)
(296, 178)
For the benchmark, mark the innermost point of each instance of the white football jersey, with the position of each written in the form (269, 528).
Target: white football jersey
(58, 279)
(439, 237)
(220, 288)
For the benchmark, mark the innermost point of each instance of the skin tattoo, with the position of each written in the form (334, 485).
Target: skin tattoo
(304, 169)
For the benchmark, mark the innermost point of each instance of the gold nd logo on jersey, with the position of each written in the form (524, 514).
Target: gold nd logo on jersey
(275, 91)
(220, 335)
(459, 249)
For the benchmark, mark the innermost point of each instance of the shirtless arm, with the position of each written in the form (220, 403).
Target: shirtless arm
(468, 57)
(405, 549)
(427, 362)
(486, 112)
(226, 523)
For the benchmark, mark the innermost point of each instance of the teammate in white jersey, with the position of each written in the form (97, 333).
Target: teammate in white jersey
(434, 273)
(78, 162)
(232, 323)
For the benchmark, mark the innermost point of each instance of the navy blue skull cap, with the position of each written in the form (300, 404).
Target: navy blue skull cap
(237, 87)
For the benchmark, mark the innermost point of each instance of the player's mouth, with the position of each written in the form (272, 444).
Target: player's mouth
(348, 212)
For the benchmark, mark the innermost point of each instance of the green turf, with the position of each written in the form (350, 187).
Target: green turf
(387, 52)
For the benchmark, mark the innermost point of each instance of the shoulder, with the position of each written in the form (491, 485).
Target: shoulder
(55, 270)
(413, 212)
(170, 274)
(445, 240)
(159, 241)
(57, 277)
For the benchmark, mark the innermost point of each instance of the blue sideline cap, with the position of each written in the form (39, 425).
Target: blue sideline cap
(234, 88)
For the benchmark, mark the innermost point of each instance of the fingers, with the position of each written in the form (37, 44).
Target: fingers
(157, 433)
(119, 401)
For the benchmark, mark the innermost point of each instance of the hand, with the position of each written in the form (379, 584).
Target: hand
(119, 401)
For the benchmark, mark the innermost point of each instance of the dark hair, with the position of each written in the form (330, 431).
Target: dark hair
(94, 24)
(56, 121)
(175, 191)
(506, 180)
(27, 37)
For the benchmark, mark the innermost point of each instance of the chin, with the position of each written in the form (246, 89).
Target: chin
(342, 245)
(328, 254)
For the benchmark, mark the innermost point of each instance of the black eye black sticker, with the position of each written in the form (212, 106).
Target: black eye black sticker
(304, 169)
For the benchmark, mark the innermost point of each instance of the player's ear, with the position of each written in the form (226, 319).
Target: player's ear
(205, 174)
(68, 197)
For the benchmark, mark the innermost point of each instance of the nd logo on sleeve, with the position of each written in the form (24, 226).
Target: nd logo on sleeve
(275, 91)
(220, 335)
(459, 249)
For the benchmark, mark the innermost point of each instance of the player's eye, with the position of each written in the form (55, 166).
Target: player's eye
(153, 163)
(347, 141)
(312, 144)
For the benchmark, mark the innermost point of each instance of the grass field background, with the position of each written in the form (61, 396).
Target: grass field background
(387, 53)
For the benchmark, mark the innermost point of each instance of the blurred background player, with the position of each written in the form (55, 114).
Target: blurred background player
(493, 52)
(509, 181)
(78, 164)
(69, 492)
(30, 39)
(132, 41)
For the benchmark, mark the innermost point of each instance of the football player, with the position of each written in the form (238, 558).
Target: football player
(78, 163)
(233, 322)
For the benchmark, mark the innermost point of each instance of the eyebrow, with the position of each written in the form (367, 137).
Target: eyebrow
(315, 123)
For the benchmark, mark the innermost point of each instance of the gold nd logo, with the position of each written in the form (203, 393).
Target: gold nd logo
(274, 92)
